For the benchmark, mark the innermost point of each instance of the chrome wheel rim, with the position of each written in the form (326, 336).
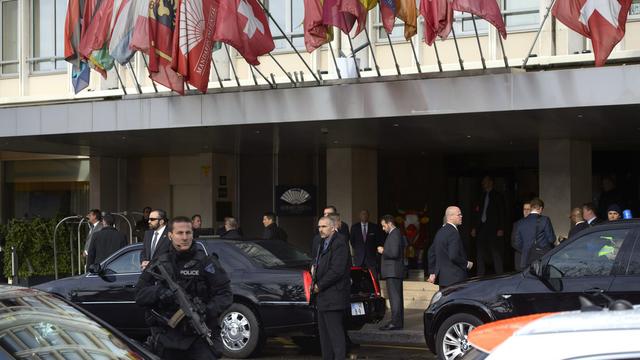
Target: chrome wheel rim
(236, 331)
(455, 343)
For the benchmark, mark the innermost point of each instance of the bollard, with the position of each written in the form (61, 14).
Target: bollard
(14, 266)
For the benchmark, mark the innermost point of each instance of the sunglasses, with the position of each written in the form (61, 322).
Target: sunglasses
(153, 219)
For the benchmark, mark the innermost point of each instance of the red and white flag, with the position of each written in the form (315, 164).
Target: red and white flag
(486, 9)
(243, 25)
(438, 19)
(602, 21)
(193, 41)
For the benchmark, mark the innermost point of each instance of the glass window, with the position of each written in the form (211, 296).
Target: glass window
(634, 263)
(521, 14)
(463, 24)
(9, 38)
(635, 8)
(126, 263)
(590, 255)
(289, 14)
(273, 253)
(48, 35)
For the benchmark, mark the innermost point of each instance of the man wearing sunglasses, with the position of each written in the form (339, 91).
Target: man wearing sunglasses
(156, 241)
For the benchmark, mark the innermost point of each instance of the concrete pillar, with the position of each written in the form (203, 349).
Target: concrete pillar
(565, 179)
(352, 181)
(108, 184)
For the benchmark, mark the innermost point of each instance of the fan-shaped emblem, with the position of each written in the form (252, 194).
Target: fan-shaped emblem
(295, 196)
(192, 25)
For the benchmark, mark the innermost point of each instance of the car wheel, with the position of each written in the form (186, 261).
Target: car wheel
(240, 332)
(451, 340)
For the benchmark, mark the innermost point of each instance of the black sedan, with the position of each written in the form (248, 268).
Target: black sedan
(37, 325)
(269, 281)
(600, 262)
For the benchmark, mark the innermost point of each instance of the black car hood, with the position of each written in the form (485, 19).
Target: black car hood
(60, 286)
(483, 288)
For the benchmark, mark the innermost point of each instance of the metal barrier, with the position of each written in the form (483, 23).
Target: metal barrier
(55, 247)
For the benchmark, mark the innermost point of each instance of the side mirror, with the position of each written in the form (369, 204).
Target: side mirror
(535, 269)
(94, 269)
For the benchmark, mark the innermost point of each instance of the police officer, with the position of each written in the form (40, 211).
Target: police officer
(202, 278)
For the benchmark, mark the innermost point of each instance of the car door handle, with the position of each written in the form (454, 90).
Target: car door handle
(594, 291)
(129, 286)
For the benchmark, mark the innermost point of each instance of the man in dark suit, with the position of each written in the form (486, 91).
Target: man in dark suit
(331, 271)
(156, 241)
(231, 229)
(94, 219)
(342, 227)
(271, 230)
(392, 270)
(488, 227)
(365, 239)
(106, 241)
(578, 221)
(447, 258)
(526, 210)
(589, 214)
(535, 228)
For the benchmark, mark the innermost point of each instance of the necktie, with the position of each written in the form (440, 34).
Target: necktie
(484, 209)
(326, 244)
(364, 232)
(154, 242)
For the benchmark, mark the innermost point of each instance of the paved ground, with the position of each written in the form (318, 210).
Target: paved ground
(406, 344)
(281, 349)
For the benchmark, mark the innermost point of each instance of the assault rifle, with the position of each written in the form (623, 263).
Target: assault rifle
(188, 307)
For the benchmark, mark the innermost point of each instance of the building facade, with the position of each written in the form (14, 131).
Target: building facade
(413, 138)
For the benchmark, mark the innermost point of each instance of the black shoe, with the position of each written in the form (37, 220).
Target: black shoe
(390, 327)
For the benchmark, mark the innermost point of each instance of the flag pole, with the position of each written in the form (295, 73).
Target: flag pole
(147, 66)
(353, 56)
(264, 77)
(215, 68)
(283, 70)
(435, 47)
(415, 56)
(335, 62)
(289, 41)
(231, 64)
(475, 28)
(373, 55)
(535, 40)
(504, 55)
(393, 52)
(135, 78)
(115, 67)
(455, 41)
(253, 75)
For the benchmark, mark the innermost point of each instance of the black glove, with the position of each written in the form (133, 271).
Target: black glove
(165, 295)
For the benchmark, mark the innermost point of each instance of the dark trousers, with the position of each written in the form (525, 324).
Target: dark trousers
(199, 350)
(332, 335)
(489, 245)
(396, 298)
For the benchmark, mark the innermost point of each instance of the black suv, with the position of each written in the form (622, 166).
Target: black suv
(600, 261)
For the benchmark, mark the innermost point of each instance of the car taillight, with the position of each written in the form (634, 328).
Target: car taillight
(376, 287)
(306, 280)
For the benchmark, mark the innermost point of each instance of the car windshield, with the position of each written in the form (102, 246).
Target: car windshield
(273, 253)
(36, 325)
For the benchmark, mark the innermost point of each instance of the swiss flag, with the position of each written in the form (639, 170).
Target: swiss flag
(243, 25)
(438, 19)
(193, 41)
(602, 21)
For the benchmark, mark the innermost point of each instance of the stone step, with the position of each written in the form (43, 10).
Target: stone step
(417, 294)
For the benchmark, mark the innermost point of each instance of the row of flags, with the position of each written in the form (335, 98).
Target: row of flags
(321, 15)
(602, 21)
(178, 36)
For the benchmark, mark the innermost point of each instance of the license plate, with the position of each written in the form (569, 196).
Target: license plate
(357, 309)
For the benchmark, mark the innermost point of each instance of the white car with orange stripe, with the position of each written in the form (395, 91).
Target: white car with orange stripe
(592, 335)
